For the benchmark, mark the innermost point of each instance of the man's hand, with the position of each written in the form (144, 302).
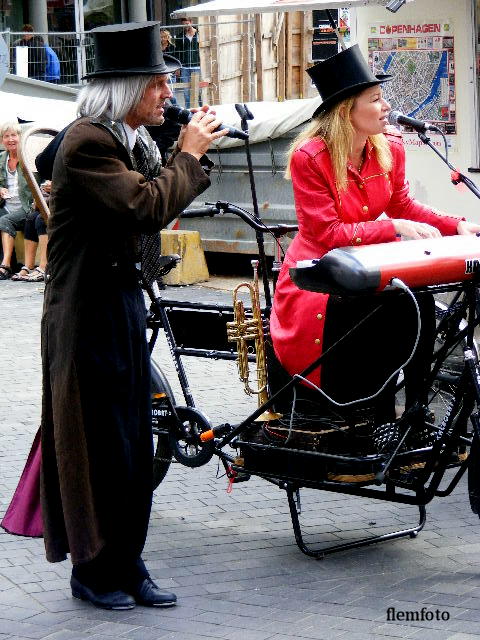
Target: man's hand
(197, 136)
(205, 108)
(415, 230)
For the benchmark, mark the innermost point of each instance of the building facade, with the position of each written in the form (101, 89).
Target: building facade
(83, 15)
(61, 24)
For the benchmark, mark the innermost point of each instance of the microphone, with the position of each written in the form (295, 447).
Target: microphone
(396, 118)
(183, 116)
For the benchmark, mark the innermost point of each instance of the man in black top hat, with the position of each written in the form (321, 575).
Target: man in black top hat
(111, 195)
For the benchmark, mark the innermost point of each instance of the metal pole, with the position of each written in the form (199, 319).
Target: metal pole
(79, 40)
(37, 10)
(334, 26)
(245, 115)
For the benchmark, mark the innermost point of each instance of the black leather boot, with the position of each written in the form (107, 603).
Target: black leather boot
(138, 583)
(148, 594)
(114, 600)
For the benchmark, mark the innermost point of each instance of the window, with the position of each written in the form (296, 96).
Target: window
(324, 41)
(97, 13)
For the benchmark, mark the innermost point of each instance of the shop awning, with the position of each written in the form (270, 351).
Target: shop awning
(225, 7)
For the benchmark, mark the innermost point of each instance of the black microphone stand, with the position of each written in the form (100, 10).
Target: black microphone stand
(245, 115)
(457, 176)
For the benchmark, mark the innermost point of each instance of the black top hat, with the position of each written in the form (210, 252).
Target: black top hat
(341, 76)
(129, 49)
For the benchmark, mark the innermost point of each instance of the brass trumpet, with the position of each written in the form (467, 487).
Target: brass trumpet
(242, 330)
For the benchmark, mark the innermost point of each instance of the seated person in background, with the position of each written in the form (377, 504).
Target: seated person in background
(14, 194)
(35, 233)
(347, 168)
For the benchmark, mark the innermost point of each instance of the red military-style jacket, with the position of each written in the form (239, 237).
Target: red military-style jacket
(328, 219)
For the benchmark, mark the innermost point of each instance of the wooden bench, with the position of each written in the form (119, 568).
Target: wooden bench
(20, 249)
(188, 245)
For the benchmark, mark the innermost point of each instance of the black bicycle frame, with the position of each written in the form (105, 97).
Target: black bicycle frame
(426, 482)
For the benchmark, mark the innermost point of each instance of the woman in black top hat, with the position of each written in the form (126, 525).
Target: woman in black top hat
(110, 198)
(347, 168)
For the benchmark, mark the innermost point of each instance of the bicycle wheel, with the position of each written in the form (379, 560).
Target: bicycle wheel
(162, 396)
(448, 376)
(188, 449)
(440, 424)
(449, 403)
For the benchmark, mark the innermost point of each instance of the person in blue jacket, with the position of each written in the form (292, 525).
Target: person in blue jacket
(52, 66)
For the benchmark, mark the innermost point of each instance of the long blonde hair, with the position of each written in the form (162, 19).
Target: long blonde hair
(168, 36)
(336, 130)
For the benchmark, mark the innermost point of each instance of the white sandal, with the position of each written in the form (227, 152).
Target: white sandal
(36, 275)
(18, 276)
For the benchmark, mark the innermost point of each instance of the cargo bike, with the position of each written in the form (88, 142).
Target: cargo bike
(297, 438)
(295, 443)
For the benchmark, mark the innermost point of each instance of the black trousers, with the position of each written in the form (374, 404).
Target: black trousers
(111, 570)
(358, 366)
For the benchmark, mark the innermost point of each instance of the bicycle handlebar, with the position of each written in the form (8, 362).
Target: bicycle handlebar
(201, 212)
(220, 207)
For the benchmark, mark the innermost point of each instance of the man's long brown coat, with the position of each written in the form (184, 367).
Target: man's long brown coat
(96, 433)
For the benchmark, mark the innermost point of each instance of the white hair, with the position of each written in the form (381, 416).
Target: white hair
(112, 98)
(10, 126)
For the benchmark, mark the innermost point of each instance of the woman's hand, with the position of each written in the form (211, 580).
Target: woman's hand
(4, 193)
(415, 230)
(465, 228)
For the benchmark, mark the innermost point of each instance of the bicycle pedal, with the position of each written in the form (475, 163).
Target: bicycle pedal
(241, 477)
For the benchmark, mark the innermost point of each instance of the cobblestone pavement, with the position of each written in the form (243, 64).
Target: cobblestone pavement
(232, 558)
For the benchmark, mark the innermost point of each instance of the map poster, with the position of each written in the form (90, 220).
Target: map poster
(420, 57)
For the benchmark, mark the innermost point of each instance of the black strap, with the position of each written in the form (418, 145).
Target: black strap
(44, 161)
(148, 245)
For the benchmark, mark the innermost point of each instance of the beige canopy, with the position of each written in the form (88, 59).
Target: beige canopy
(219, 7)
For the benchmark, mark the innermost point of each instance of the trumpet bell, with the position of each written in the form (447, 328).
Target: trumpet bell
(243, 330)
(268, 416)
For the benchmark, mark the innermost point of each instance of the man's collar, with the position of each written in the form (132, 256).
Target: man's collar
(131, 135)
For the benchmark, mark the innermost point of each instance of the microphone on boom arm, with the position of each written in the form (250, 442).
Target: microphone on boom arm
(183, 116)
(396, 118)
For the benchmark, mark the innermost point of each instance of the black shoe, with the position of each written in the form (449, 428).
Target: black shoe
(149, 595)
(115, 600)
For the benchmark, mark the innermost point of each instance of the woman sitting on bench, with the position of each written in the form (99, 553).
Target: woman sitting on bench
(15, 196)
(35, 235)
